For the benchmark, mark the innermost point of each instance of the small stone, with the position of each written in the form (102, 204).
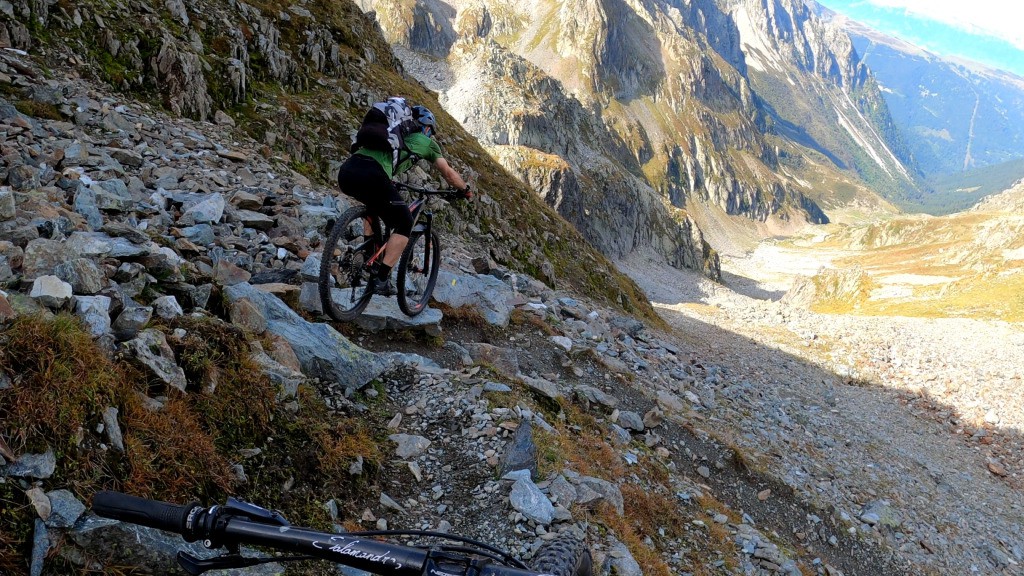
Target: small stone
(233, 155)
(763, 495)
(356, 467)
(51, 291)
(39, 501)
(704, 471)
(113, 429)
(167, 307)
(562, 342)
(631, 421)
(7, 205)
(389, 502)
(221, 118)
(395, 421)
(997, 468)
(409, 446)
(66, 509)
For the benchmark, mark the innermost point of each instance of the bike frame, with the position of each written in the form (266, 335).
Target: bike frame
(418, 209)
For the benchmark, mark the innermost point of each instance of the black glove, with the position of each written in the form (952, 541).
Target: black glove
(466, 193)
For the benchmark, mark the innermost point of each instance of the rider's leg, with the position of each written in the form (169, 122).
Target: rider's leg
(394, 248)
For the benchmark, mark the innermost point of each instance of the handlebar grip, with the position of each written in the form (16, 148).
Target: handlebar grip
(145, 512)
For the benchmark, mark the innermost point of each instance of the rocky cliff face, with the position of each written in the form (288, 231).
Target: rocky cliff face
(817, 92)
(667, 92)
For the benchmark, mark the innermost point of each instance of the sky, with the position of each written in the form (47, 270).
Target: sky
(987, 31)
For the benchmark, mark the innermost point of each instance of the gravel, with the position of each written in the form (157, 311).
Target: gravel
(924, 414)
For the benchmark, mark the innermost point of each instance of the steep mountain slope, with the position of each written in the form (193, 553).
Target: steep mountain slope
(955, 115)
(299, 80)
(1012, 200)
(664, 92)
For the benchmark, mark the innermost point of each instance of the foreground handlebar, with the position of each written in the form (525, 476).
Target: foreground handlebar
(241, 523)
(154, 514)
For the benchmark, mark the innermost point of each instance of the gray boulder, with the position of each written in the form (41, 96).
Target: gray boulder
(486, 293)
(83, 275)
(39, 466)
(130, 321)
(321, 350)
(6, 203)
(95, 313)
(521, 453)
(65, 509)
(383, 314)
(531, 502)
(113, 196)
(609, 492)
(100, 245)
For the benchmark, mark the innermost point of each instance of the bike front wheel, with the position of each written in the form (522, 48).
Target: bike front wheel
(566, 555)
(344, 277)
(417, 272)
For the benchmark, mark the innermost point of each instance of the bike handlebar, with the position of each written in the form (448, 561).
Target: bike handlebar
(160, 515)
(433, 192)
(242, 523)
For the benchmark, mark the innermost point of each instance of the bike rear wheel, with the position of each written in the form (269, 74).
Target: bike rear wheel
(344, 277)
(417, 272)
(563, 556)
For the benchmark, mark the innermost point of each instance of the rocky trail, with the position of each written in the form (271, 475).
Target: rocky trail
(717, 447)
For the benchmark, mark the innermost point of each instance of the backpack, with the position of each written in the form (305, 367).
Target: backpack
(385, 127)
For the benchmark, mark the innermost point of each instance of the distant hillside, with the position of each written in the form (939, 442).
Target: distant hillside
(957, 192)
(1011, 200)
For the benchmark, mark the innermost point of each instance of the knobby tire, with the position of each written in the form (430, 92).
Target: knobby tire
(347, 269)
(417, 272)
(563, 556)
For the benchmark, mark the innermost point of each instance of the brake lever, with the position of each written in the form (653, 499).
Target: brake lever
(254, 512)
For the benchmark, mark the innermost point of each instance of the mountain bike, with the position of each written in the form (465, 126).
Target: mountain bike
(351, 255)
(237, 522)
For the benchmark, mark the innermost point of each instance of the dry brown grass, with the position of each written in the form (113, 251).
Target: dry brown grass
(521, 318)
(580, 444)
(342, 442)
(649, 559)
(463, 315)
(169, 454)
(64, 381)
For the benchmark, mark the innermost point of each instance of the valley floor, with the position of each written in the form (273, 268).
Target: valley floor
(911, 428)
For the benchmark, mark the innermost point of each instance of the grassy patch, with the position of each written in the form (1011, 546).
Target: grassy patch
(38, 109)
(65, 380)
(183, 450)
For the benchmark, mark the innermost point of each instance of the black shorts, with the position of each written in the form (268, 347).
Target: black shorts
(362, 178)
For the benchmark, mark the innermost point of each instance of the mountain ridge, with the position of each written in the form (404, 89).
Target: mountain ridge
(959, 113)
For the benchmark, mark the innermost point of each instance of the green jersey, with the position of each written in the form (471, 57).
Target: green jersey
(418, 143)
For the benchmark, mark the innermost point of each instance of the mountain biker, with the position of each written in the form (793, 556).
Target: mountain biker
(367, 177)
